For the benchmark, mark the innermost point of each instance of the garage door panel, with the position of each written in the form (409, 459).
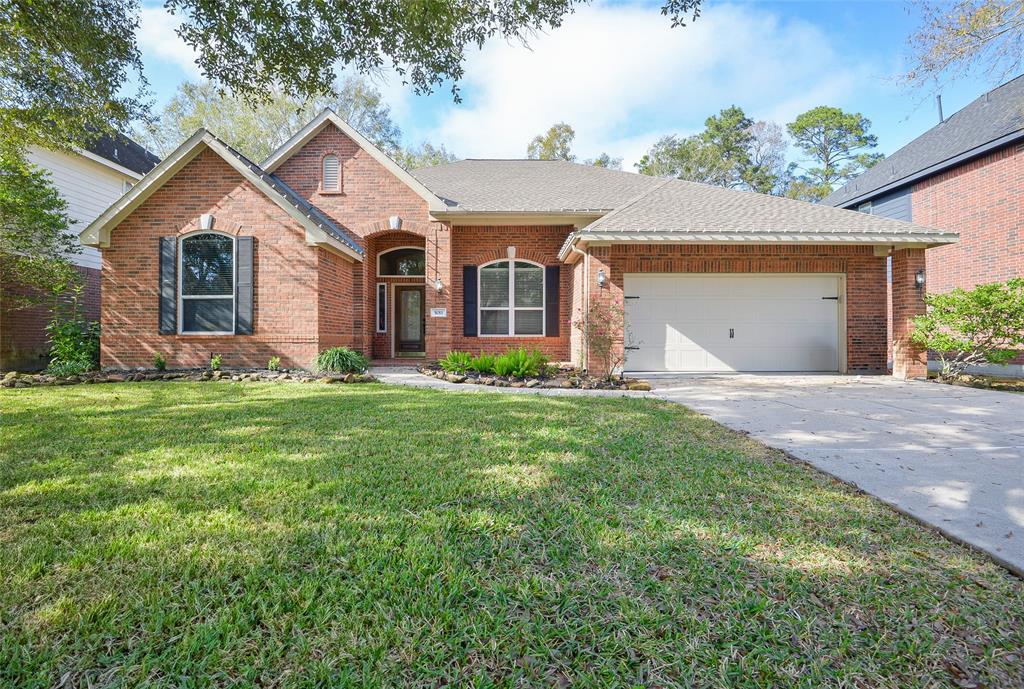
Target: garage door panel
(690, 322)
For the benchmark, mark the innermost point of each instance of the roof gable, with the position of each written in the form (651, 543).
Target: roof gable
(320, 230)
(329, 117)
(990, 121)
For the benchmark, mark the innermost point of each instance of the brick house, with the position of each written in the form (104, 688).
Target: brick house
(89, 180)
(964, 175)
(329, 242)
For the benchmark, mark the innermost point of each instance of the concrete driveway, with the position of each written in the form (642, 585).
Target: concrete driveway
(952, 457)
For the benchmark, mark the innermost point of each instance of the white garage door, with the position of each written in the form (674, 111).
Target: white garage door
(728, 322)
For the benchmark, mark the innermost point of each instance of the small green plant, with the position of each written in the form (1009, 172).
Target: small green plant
(215, 362)
(519, 363)
(341, 360)
(984, 325)
(159, 362)
(605, 332)
(274, 364)
(74, 340)
(455, 362)
(484, 363)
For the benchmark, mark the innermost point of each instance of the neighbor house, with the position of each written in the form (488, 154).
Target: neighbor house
(89, 180)
(329, 242)
(964, 175)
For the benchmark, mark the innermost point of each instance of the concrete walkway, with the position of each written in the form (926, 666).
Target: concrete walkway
(952, 457)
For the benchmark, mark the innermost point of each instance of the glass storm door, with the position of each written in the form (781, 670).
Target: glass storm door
(410, 319)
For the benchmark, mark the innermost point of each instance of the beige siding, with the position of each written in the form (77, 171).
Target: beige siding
(89, 188)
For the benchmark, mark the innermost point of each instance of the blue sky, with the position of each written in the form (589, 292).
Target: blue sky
(622, 77)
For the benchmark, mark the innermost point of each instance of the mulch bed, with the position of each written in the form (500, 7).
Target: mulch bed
(565, 378)
(28, 380)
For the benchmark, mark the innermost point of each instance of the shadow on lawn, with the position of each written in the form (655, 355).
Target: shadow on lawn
(418, 536)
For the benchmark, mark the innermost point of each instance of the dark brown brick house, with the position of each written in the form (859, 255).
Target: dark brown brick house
(329, 242)
(964, 175)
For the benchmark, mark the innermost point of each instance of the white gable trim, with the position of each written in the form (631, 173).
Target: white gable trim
(108, 163)
(97, 234)
(317, 125)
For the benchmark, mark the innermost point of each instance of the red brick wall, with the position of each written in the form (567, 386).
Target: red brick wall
(23, 339)
(285, 274)
(983, 200)
(336, 283)
(865, 280)
(479, 245)
(908, 360)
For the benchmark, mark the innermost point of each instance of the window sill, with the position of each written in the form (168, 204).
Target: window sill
(330, 193)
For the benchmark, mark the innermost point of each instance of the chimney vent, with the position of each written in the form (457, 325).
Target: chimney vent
(938, 102)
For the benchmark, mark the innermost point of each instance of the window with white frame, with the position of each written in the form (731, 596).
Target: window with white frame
(511, 298)
(206, 286)
(331, 178)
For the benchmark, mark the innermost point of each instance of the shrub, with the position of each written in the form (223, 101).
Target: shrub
(601, 328)
(341, 360)
(74, 340)
(484, 363)
(274, 364)
(159, 362)
(456, 362)
(969, 327)
(215, 362)
(518, 363)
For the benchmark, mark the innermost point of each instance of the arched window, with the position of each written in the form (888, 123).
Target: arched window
(331, 178)
(511, 298)
(401, 262)
(206, 287)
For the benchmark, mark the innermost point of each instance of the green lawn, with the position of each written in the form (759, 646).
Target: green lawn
(221, 534)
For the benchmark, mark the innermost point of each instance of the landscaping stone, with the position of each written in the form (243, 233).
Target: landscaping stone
(641, 385)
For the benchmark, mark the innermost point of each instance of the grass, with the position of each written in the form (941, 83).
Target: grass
(215, 535)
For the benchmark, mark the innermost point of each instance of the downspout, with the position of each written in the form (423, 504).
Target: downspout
(586, 300)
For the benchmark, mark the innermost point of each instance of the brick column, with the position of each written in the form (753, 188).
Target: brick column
(908, 359)
(439, 266)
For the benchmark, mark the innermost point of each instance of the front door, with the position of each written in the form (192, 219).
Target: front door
(410, 320)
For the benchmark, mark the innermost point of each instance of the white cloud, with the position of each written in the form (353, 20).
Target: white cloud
(159, 42)
(621, 76)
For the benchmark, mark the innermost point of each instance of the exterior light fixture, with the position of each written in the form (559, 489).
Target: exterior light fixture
(602, 277)
(919, 279)
(394, 223)
(438, 285)
(205, 221)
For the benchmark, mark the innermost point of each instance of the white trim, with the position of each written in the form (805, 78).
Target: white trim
(377, 306)
(396, 248)
(842, 344)
(98, 232)
(328, 116)
(108, 163)
(905, 241)
(181, 281)
(512, 308)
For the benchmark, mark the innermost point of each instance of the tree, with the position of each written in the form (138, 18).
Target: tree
(606, 161)
(732, 151)
(425, 155)
(555, 144)
(837, 145)
(34, 241)
(969, 327)
(767, 171)
(257, 129)
(957, 38)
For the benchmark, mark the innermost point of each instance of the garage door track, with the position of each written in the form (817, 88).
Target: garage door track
(952, 457)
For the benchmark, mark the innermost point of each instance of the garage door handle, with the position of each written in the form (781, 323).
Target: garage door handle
(632, 348)
(732, 333)
(832, 298)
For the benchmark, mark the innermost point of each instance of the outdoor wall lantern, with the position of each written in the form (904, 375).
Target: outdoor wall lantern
(438, 285)
(395, 222)
(601, 277)
(919, 279)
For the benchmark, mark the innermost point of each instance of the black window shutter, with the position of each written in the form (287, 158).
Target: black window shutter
(168, 285)
(552, 294)
(469, 301)
(243, 286)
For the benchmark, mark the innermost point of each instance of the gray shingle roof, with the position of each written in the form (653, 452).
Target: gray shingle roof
(998, 116)
(676, 206)
(123, 151)
(531, 185)
(321, 219)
